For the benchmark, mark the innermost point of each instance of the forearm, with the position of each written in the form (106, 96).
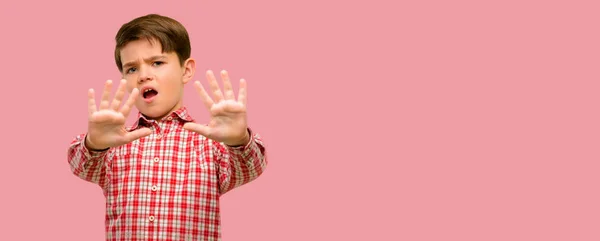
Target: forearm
(243, 163)
(85, 163)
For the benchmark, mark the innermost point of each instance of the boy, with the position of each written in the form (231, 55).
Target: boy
(162, 177)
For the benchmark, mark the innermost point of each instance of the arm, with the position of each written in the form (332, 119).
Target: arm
(87, 164)
(239, 153)
(240, 165)
(106, 129)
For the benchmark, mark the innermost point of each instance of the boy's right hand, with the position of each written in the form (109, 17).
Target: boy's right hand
(106, 126)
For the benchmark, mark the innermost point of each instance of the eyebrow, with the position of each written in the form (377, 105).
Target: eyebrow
(153, 58)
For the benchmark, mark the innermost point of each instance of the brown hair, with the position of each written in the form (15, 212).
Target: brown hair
(171, 34)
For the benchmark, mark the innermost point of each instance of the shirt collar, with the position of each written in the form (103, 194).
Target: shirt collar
(182, 114)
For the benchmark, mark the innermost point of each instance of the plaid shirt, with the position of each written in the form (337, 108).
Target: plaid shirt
(166, 186)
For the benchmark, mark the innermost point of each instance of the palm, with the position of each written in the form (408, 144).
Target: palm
(228, 115)
(106, 126)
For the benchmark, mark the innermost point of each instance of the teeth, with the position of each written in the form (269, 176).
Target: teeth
(147, 90)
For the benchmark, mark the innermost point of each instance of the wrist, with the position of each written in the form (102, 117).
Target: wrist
(90, 146)
(243, 141)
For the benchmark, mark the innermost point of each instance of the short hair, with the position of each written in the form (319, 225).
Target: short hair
(170, 33)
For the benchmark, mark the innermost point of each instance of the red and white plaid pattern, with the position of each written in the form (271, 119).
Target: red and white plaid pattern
(166, 186)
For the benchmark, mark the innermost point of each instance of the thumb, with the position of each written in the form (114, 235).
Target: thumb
(198, 128)
(139, 133)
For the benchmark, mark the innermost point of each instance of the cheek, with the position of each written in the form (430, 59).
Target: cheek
(130, 85)
(128, 89)
(131, 80)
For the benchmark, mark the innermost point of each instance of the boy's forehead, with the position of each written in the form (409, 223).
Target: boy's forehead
(141, 49)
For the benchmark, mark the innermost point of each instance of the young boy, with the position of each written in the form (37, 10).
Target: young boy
(163, 176)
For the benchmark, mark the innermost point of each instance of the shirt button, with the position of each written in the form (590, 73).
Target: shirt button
(156, 159)
(154, 188)
(151, 218)
(158, 136)
(169, 118)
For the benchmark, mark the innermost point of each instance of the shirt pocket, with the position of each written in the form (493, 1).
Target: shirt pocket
(194, 172)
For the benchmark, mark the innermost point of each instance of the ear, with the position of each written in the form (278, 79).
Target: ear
(189, 67)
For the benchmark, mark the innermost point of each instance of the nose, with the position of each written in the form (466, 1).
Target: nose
(145, 74)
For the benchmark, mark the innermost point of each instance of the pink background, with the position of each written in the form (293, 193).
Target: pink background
(384, 120)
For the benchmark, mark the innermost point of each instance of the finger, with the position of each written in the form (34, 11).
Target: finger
(227, 86)
(218, 109)
(208, 102)
(228, 108)
(130, 102)
(106, 95)
(105, 116)
(242, 96)
(91, 102)
(119, 95)
(198, 128)
(137, 134)
(214, 86)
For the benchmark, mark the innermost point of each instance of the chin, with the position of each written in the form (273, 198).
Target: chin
(153, 113)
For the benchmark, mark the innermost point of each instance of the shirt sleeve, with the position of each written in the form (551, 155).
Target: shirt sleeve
(87, 164)
(242, 164)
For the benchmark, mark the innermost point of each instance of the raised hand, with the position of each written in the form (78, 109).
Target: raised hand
(228, 116)
(106, 126)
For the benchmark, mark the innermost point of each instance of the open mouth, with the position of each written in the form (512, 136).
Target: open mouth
(149, 93)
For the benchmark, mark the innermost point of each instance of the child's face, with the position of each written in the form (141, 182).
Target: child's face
(158, 76)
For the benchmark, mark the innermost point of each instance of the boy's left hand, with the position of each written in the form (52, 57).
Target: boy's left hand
(228, 115)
